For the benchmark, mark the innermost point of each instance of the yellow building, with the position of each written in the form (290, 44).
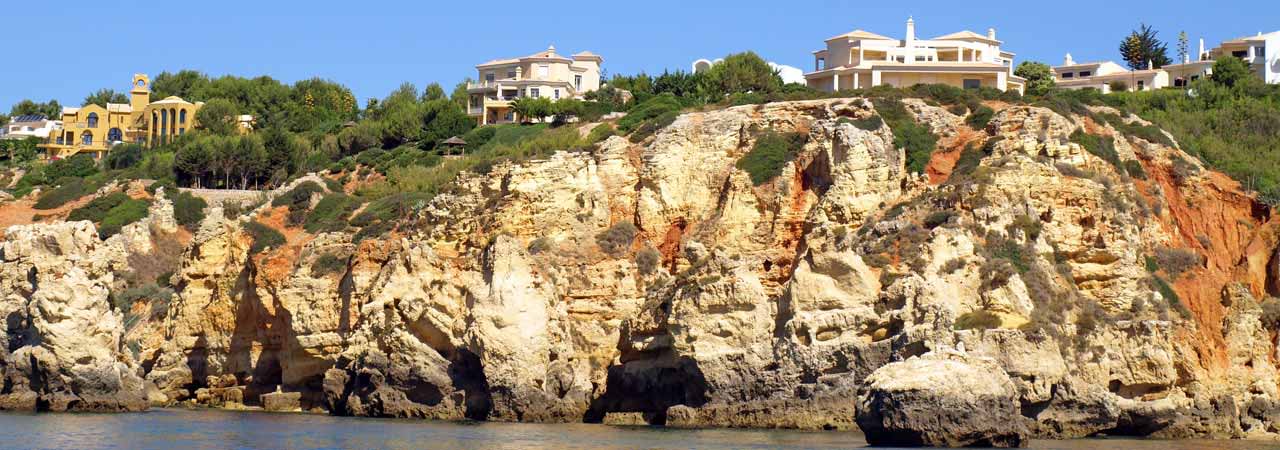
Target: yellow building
(94, 129)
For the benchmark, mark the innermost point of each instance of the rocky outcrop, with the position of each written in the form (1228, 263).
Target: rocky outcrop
(942, 400)
(63, 349)
(655, 282)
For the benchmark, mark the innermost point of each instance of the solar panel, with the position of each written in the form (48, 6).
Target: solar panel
(29, 118)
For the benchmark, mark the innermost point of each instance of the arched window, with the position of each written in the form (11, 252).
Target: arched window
(164, 121)
(86, 138)
(182, 117)
(93, 120)
(115, 135)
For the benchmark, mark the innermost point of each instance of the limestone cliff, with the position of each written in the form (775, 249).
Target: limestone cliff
(1119, 295)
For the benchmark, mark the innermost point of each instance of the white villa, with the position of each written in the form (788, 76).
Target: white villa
(861, 59)
(34, 125)
(543, 74)
(1262, 52)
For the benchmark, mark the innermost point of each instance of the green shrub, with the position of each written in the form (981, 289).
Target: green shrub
(1175, 261)
(331, 213)
(958, 110)
(328, 263)
(539, 245)
(123, 156)
(263, 236)
(600, 133)
(1171, 296)
(978, 320)
(917, 139)
(125, 299)
(869, 123)
(79, 166)
(188, 210)
(1134, 168)
(746, 98)
(1100, 146)
(299, 197)
(647, 260)
(618, 238)
(772, 151)
(653, 108)
(127, 212)
(1029, 225)
(97, 209)
(979, 118)
(651, 126)
(938, 218)
(69, 190)
(970, 159)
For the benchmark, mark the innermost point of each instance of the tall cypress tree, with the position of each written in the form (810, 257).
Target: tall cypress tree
(1142, 46)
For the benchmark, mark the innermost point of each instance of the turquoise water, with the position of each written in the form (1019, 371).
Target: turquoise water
(174, 429)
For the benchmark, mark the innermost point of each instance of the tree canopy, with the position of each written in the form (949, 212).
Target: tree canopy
(1141, 47)
(104, 96)
(1038, 75)
(50, 109)
(218, 116)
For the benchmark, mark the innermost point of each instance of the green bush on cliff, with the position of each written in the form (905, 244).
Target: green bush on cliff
(188, 209)
(263, 236)
(618, 238)
(917, 139)
(97, 209)
(331, 213)
(127, 212)
(772, 151)
(68, 190)
(977, 320)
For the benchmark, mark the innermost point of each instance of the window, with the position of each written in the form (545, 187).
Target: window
(86, 138)
(556, 94)
(922, 58)
(1068, 75)
(1240, 53)
(182, 116)
(821, 64)
(533, 92)
(1141, 85)
(508, 117)
(93, 120)
(1195, 77)
(511, 74)
(544, 71)
(1178, 82)
(488, 78)
(181, 131)
(1085, 73)
(577, 82)
(972, 84)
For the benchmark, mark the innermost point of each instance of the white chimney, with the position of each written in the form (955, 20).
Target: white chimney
(1150, 65)
(1068, 61)
(911, 31)
(991, 33)
(1200, 56)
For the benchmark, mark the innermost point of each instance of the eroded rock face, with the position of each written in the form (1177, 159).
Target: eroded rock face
(522, 295)
(63, 347)
(942, 399)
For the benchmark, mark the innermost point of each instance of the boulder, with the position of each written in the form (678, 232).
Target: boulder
(941, 400)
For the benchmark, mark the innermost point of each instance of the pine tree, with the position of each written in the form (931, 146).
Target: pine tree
(1183, 47)
(1142, 47)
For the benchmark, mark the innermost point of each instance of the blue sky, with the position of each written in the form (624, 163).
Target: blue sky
(372, 46)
